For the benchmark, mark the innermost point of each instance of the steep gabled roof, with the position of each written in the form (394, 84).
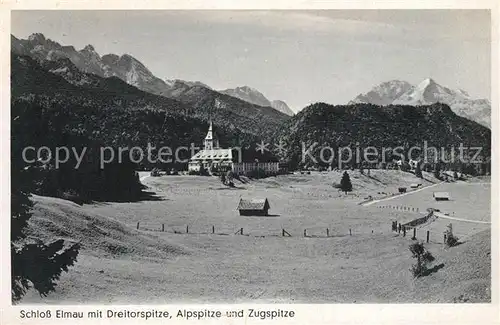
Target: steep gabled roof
(441, 195)
(253, 204)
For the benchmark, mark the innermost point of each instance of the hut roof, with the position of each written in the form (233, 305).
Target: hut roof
(444, 195)
(253, 204)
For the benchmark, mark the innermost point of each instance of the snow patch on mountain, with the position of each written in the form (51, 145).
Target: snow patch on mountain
(425, 93)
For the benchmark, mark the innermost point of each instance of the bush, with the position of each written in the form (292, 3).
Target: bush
(203, 171)
(451, 240)
(423, 256)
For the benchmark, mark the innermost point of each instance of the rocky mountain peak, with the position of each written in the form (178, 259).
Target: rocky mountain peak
(428, 92)
(89, 48)
(37, 38)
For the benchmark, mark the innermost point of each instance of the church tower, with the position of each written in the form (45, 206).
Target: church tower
(211, 141)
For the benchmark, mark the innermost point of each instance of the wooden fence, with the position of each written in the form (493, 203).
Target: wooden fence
(315, 232)
(399, 208)
(213, 230)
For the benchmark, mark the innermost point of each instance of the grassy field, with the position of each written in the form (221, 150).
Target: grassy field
(120, 264)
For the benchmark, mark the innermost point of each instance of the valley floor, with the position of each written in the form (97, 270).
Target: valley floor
(120, 264)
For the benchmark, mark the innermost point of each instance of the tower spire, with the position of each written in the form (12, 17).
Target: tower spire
(211, 141)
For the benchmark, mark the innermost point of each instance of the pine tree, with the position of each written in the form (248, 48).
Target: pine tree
(33, 263)
(223, 178)
(437, 171)
(345, 183)
(418, 170)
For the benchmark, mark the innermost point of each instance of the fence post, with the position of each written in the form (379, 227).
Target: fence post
(428, 236)
(162, 227)
(137, 224)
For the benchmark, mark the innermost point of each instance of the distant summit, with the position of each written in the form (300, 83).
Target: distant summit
(135, 73)
(88, 60)
(248, 94)
(383, 94)
(428, 92)
(282, 107)
(254, 96)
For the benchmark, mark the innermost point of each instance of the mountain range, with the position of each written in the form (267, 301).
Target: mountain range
(322, 126)
(101, 98)
(428, 92)
(254, 96)
(124, 67)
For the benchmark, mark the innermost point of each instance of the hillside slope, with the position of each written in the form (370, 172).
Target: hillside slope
(119, 114)
(196, 96)
(55, 218)
(121, 265)
(378, 126)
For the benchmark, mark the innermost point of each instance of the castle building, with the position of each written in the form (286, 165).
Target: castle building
(238, 160)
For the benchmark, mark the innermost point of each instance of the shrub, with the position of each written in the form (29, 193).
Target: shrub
(423, 256)
(203, 171)
(451, 240)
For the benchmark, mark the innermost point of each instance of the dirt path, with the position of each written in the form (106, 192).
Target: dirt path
(444, 216)
(401, 195)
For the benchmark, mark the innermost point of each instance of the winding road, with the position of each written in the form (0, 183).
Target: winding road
(400, 195)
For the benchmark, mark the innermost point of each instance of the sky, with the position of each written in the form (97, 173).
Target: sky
(300, 57)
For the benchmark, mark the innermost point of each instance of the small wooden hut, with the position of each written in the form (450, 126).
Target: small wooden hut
(254, 207)
(441, 196)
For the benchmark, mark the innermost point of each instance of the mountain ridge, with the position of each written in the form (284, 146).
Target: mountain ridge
(337, 126)
(124, 67)
(252, 95)
(428, 92)
(199, 100)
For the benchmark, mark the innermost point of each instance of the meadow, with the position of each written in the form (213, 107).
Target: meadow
(122, 264)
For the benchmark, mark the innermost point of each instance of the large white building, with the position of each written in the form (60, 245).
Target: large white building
(234, 159)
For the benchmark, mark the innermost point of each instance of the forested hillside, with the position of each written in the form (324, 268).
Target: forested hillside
(71, 108)
(379, 126)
